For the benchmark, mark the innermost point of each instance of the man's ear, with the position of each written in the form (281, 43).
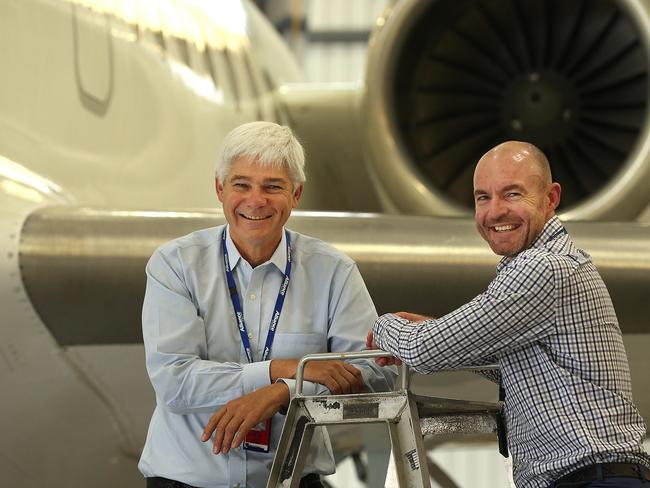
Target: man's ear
(554, 194)
(297, 194)
(219, 188)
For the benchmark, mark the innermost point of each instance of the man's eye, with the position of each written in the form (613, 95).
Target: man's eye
(274, 187)
(240, 185)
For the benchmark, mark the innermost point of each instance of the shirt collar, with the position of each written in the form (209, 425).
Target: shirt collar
(552, 228)
(278, 258)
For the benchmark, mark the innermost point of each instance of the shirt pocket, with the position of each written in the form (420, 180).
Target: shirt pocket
(288, 345)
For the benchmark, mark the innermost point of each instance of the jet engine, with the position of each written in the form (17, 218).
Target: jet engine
(448, 79)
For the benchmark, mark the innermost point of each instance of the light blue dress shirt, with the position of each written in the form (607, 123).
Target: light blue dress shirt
(197, 364)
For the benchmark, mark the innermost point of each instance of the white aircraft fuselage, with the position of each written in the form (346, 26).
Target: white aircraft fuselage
(114, 111)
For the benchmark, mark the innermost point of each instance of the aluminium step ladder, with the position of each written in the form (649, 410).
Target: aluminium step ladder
(409, 417)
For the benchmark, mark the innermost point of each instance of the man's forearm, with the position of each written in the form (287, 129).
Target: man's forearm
(282, 368)
(233, 421)
(337, 376)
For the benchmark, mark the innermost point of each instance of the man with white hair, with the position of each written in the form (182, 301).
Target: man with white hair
(228, 312)
(548, 320)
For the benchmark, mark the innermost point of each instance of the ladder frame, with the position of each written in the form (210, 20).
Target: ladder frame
(407, 416)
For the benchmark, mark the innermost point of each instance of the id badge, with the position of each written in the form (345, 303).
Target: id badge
(259, 437)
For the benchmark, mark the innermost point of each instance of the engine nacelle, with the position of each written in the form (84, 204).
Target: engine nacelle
(447, 79)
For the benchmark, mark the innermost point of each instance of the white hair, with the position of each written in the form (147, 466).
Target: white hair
(263, 143)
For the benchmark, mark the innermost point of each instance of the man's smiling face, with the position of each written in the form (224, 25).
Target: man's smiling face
(257, 201)
(513, 199)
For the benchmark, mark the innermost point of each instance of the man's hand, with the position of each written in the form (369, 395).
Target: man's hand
(371, 344)
(338, 376)
(387, 361)
(412, 317)
(234, 420)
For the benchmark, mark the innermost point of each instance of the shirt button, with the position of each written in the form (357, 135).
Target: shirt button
(253, 296)
(250, 335)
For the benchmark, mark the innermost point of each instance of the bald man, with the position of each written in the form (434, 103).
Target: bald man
(548, 320)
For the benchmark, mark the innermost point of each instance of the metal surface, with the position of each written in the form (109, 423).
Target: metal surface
(136, 95)
(81, 263)
(342, 356)
(453, 417)
(405, 373)
(446, 80)
(306, 413)
(407, 416)
(457, 424)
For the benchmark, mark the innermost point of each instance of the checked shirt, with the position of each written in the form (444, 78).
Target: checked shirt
(548, 320)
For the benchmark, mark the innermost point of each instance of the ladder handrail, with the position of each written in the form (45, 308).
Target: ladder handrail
(368, 354)
(342, 356)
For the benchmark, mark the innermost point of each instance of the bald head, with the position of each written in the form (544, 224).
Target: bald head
(514, 196)
(524, 154)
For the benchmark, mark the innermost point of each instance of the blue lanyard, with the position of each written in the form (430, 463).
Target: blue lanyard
(236, 304)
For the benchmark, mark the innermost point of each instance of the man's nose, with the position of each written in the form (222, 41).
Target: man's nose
(256, 197)
(498, 208)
